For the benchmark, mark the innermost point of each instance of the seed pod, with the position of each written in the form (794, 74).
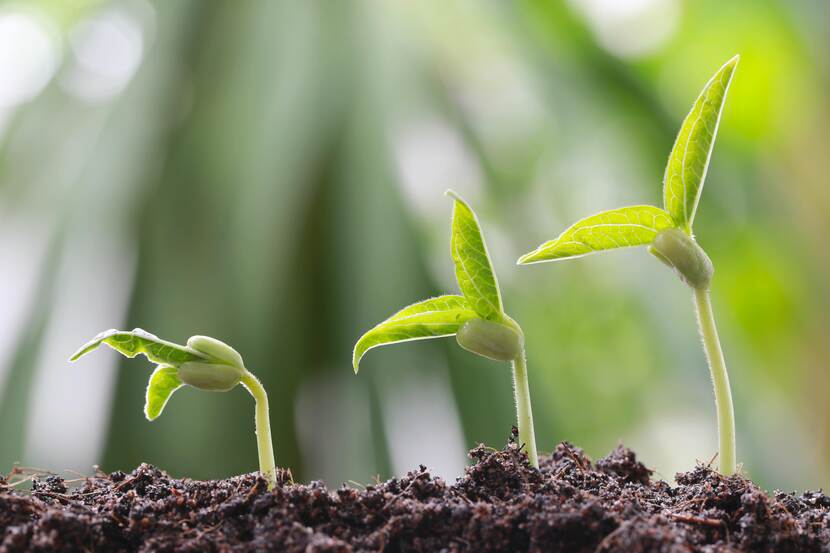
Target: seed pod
(490, 339)
(216, 349)
(211, 377)
(679, 251)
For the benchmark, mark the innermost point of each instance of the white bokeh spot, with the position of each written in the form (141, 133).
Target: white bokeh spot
(29, 55)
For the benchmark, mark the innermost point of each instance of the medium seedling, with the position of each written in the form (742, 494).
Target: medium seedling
(204, 363)
(668, 233)
(476, 318)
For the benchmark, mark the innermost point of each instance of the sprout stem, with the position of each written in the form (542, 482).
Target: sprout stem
(524, 413)
(720, 381)
(265, 447)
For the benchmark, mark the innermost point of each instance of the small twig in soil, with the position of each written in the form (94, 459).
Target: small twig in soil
(123, 484)
(697, 520)
(575, 459)
(63, 498)
(76, 480)
(713, 522)
(689, 502)
(22, 481)
(357, 484)
(712, 460)
(254, 489)
(18, 470)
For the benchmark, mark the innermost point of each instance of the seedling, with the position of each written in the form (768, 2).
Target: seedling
(204, 363)
(668, 233)
(476, 318)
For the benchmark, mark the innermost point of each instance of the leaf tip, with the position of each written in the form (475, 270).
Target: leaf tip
(729, 67)
(450, 193)
(530, 258)
(86, 348)
(357, 355)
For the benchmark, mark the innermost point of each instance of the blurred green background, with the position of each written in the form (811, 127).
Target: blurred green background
(272, 173)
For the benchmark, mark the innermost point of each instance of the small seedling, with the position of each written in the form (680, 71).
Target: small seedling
(476, 318)
(668, 233)
(204, 363)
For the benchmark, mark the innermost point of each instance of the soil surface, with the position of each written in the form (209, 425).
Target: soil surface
(500, 504)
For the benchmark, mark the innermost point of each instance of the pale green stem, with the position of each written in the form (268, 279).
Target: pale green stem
(720, 381)
(265, 448)
(524, 413)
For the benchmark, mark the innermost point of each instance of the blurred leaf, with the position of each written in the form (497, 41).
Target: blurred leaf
(432, 318)
(617, 228)
(138, 341)
(472, 262)
(689, 158)
(163, 382)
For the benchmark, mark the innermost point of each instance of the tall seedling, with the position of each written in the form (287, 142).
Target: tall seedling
(668, 233)
(476, 318)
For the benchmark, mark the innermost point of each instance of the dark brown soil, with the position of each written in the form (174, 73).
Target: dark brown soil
(501, 504)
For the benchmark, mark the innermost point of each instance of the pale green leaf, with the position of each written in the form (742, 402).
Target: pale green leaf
(473, 269)
(618, 228)
(432, 318)
(689, 158)
(163, 382)
(137, 341)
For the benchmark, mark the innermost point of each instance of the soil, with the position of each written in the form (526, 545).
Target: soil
(501, 504)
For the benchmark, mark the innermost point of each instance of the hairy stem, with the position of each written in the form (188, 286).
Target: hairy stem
(524, 413)
(265, 447)
(720, 381)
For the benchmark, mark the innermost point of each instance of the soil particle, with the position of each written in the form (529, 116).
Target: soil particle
(501, 504)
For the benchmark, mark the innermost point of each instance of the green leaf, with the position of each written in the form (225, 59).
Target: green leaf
(163, 382)
(689, 158)
(432, 318)
(473, 269)
(617, 228)
(137, 341)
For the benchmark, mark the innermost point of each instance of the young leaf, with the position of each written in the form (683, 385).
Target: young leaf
(163, 382)
(473, 269)
(137, 341)
(617, 228)
(432, 318)
(689, 158)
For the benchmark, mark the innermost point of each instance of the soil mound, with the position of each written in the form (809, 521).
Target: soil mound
(501, 504)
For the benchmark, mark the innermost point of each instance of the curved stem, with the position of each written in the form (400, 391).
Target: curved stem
(720, 381)
(524, 414)
(265, 447)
